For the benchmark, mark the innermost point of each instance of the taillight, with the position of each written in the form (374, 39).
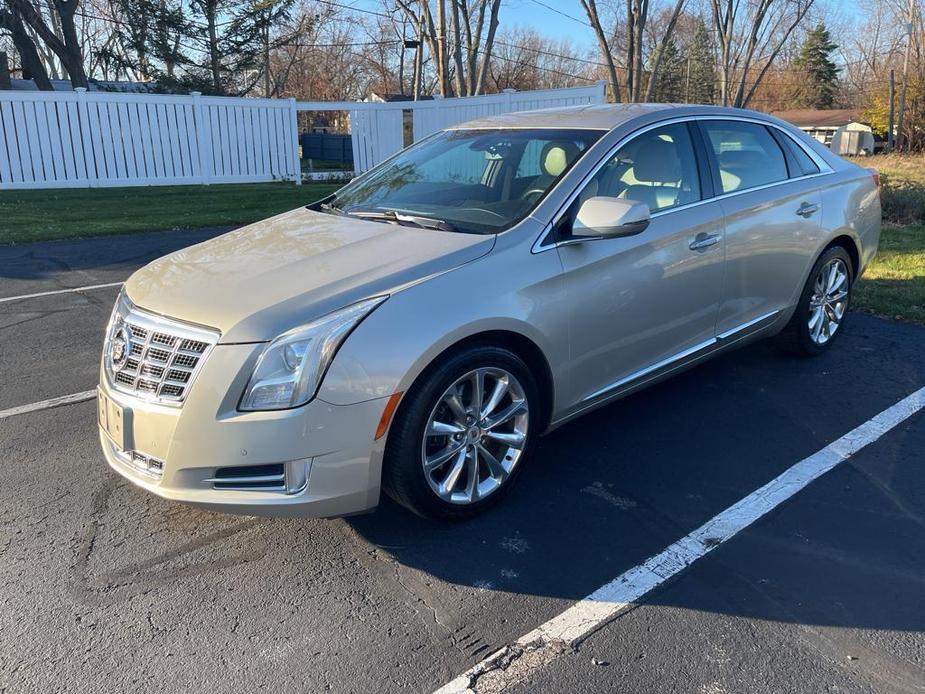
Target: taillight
(876, 175)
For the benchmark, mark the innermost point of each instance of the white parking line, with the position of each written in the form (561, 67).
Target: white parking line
(514, 663)
(48, 404)
(87, 288)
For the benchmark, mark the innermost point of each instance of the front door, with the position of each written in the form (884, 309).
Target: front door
(639, 302)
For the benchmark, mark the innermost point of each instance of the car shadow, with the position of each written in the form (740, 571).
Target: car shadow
(617, 486)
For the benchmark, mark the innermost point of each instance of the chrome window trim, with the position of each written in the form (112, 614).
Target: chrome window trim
(539, 245)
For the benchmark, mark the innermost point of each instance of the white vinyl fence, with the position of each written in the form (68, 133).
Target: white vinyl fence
(431, 116)
(80, 139)
(97, 139)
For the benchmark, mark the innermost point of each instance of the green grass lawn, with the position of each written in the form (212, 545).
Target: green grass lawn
(894, 283)
(40, 215)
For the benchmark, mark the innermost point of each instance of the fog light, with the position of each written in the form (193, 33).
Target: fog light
(297, 472)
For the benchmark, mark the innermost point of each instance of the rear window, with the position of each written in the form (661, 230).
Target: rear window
(805, 163)
(746, 153)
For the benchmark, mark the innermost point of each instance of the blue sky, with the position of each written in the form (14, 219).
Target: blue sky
(566, 18)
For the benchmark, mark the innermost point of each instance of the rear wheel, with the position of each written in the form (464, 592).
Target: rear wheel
(823, 305)
(462, 434)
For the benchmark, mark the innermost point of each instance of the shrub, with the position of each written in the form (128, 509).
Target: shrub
(903, 200)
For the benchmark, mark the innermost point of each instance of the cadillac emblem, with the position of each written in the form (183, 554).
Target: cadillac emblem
(118, 349)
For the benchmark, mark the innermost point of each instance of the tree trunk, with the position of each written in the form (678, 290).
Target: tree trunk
(459, 75)
(214, 61)
(5, 82)
(74, 62)
(590, 8)
(679, 5)
(489, 43)
(31, 63)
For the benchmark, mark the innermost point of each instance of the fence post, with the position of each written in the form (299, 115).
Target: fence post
(86, 146)
(508, 98)
(294, 145)
(203, 143)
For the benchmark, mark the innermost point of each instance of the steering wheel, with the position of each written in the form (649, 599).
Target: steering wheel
(532, 194)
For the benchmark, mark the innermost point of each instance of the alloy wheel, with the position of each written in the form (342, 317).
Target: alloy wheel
(475, 435)
(829, 301)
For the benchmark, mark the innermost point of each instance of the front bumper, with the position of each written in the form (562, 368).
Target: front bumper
(333, 444)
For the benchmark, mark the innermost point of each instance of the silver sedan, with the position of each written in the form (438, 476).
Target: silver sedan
(418, 330)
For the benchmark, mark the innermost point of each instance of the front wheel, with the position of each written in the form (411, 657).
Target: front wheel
(461, 436)
(823, 305)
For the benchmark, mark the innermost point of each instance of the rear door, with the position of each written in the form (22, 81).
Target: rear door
(772, 214)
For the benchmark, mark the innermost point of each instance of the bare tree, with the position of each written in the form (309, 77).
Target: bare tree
(31, 62)
(473, 27)
(524, 59)
(633, 51)
(659, 54)
(750, 36)
(61, 36)
(604, 43)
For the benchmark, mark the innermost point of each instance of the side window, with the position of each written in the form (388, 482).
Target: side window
(747, 154)
(805, 163)
(658, 168)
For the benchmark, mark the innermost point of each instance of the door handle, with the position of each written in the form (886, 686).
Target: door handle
(704, 241)
(806, 210)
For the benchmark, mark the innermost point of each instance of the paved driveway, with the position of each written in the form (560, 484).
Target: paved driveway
(106, 588)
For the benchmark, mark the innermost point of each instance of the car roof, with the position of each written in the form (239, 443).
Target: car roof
(598, 117)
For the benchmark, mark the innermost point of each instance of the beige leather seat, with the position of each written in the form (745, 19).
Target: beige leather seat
(741, 169)
(555, 158)
(658, 170)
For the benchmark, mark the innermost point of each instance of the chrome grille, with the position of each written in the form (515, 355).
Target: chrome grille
(162, 356)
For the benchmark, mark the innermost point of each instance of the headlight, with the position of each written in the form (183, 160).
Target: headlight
(291, 367)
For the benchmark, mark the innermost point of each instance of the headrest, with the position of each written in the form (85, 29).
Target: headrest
(556, 156)
(741, 159)
(657, 162)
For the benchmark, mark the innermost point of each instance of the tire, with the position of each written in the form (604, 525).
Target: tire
(798, 337)
(430, 493)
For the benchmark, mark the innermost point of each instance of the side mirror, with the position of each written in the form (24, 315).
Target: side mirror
(610, 218)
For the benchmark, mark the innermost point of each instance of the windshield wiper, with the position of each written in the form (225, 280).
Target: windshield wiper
(330, 209)
(402, 218)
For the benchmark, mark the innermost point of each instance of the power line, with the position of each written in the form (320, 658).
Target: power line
(560, 12)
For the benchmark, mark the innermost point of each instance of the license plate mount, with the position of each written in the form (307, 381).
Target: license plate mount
(113, 418)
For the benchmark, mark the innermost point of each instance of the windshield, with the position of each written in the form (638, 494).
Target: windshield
(476, 181)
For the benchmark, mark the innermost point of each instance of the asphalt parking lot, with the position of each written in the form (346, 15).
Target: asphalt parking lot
(106, 588)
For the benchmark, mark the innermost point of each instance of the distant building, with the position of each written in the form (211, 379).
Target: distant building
(94, 86)
(842, 130)
(392, 98)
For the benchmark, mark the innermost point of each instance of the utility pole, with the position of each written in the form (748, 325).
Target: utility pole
(418, 60)
(687, 87)
(441, 46)
(889, 133)
(902, 92)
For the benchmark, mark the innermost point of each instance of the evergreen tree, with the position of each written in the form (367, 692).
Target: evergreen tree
(669, 84)
(700, 88)
(817, 75)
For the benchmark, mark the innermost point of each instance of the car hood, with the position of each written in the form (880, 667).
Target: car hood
(259, 281)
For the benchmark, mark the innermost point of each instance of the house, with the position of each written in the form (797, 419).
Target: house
(58, 85)
(843, 130)
(392, 98)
